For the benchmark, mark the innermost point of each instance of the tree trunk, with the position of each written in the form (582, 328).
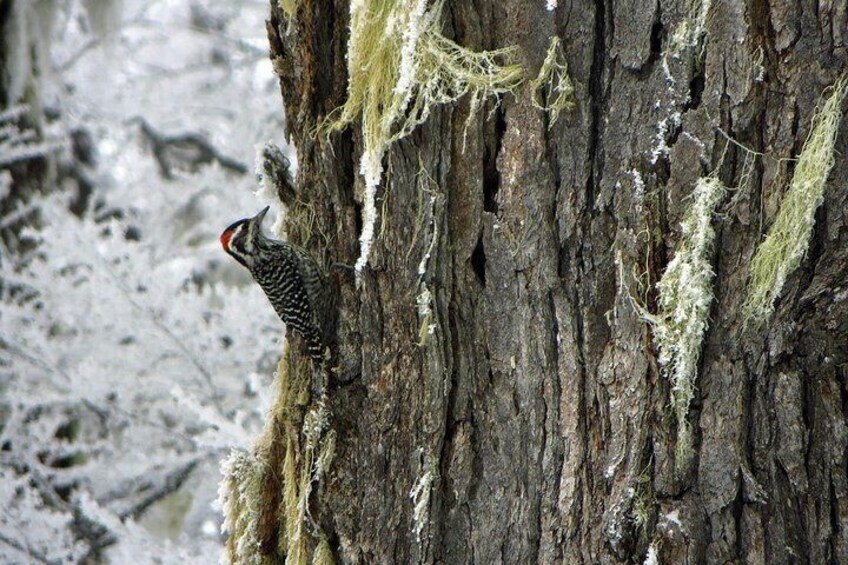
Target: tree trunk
(25, 32)
(522, 416)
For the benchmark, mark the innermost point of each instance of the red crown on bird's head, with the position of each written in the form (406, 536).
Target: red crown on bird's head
(225, 238)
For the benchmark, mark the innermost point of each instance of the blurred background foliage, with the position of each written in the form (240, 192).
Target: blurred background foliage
(133, 352)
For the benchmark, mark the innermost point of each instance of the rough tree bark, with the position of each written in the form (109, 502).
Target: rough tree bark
(536, 402)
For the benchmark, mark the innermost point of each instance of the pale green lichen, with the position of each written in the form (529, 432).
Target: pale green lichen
(289, 7)
(239, 495)
(424, 302)
(310, 446)
(300, 473)
(266, 496)
(685, 296)
(644, 502)
(323, 553)
(789, 237)
(553, 76)
(689, 37)
(399, 67)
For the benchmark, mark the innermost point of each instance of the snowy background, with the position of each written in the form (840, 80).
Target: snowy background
(134, 354)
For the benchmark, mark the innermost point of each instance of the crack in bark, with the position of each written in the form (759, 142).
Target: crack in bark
(491, 173)
(646, 70)
(596, 100)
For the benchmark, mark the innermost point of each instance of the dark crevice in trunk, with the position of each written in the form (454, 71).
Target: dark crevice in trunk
(737, 507)
(696, 90)
(451, 420)
(762, 35)
(326, 104)
(584, 247)
(750, 390)
(491, 174)
(839, 374)
(447, 500)
(809, 265)
(797, 146)
(657, 34)
(808, 414)
(357, 211)
(596, 102)
(698, 80)
(347, 169)
(645, 71)
(478, 261)
(673, 136)
(556, 395)
(803, 515)
(476, 460)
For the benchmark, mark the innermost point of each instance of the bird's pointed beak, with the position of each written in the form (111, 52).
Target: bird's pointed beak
(257, 219)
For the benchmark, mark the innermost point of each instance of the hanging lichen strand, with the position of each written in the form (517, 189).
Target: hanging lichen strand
(265, 494)
(685, 296)
(789, 237)
(289, 8)
(553, 78)
(399, 67)
(238, 494)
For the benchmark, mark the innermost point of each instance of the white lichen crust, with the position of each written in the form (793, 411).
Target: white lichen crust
(685, 296)
(420, 495)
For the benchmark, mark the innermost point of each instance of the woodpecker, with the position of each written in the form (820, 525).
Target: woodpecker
(291, 279)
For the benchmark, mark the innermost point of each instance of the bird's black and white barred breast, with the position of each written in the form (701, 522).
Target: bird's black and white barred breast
(298, 291)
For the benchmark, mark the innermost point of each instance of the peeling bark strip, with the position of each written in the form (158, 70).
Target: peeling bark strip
(531, 425)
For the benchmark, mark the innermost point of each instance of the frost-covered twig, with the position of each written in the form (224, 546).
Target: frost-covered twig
(22, 145)
(34, 554)
(187, 150)
(170, 483)
(225, 431)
